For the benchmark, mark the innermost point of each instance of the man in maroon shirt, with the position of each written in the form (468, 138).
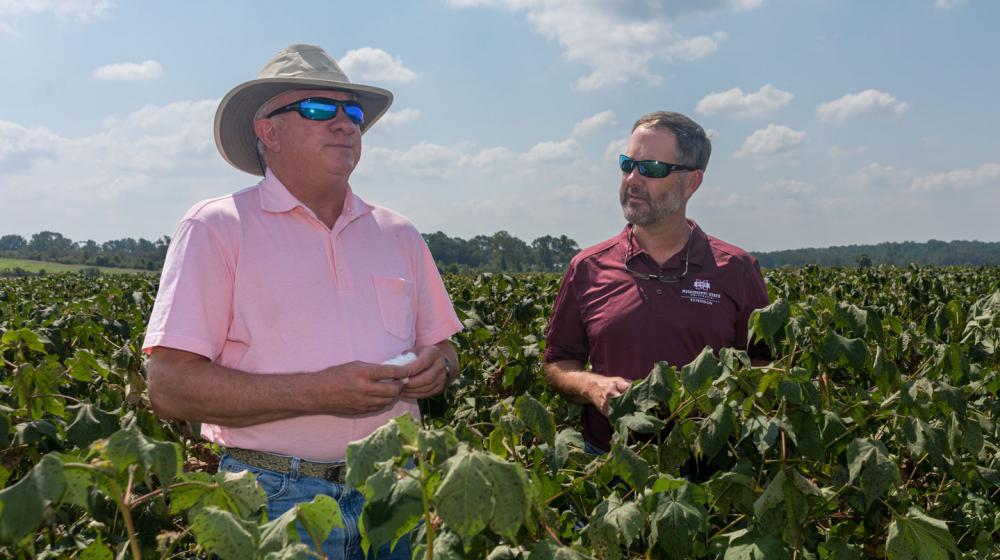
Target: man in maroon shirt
(661, 290)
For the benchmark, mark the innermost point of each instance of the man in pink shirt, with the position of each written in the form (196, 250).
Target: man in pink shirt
(279, 304)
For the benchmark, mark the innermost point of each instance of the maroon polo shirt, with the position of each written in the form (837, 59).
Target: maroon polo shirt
(622, 325)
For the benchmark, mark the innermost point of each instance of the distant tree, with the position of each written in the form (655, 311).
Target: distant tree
(12, 243)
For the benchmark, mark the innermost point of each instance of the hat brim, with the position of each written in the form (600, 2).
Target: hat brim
(234, 135)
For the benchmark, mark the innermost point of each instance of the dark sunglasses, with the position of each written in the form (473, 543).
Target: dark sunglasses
(323, 109)
(650, 167)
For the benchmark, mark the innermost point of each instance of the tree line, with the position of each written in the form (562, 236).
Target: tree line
(933, 253)
(498, 252)
(504, 252)
(50, 246)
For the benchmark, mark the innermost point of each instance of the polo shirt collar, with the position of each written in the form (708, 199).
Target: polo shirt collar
(698, 248)
(275, 197)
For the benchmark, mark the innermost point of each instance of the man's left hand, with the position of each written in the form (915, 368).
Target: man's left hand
(428, 375)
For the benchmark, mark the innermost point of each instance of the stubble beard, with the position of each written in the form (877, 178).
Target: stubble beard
(653, 210)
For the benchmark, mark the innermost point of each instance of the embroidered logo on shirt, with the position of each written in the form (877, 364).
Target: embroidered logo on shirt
(701, 293)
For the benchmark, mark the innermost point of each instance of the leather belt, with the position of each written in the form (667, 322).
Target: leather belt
(333, 472)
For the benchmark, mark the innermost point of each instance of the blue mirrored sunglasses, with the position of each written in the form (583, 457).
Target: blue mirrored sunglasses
(650, 167)
(323, 109)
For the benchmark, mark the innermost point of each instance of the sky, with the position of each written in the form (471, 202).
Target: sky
(833, 122)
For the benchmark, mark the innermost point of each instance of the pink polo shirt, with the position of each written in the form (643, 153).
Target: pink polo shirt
(255, 282)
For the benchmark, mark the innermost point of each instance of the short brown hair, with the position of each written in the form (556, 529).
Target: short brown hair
(693, 144)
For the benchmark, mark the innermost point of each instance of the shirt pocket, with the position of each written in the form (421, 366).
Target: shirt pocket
(395, 305)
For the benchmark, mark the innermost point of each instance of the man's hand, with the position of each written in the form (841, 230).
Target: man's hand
(603, 389)
(427, 373)
(363, 388)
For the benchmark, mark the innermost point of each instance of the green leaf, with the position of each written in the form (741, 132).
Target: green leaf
(697, 375)
(538, 418)
(511, 490)
(279, 533)
(868, 461)
(221, 533)
(548, 550)
(24, 502)
(362, 456)
(393, 507)
(465, 500)
(621, 521)
(129, 447)
(846, 351)
(319, 517)
(676, 522)
(808, 440)
(627, 464)
(916, 536)
(751, 545)
(851, 318)
(768, 323)
(243, 491)
(648, 393)
(762, 430)
(96, 550)
(640, 423)
(91, 423)
(84, 365)
(731, 490)
(715, 430)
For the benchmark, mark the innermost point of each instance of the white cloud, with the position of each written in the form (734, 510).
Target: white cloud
(618, 39)
(947, 4)
(880, 176)
(764, 101)
(594, 123)
(616, 148)
(551, 151)
(135, 176)
(430, 160)
(577, 193)
(369, 63)
(83, 10)
(145, 71)
(855, 104)
(490, 156)
(986, 175)
(789, 187)
(838, 152)
(770, 141)
(398, 117)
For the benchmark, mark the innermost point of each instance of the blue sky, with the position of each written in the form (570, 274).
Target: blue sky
(833, 122)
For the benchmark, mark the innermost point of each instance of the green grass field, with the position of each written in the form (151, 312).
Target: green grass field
(50, 267)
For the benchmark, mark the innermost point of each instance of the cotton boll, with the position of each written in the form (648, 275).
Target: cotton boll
(400, 360)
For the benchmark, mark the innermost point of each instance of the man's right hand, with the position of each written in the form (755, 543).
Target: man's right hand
(362, 388)
(603, 389)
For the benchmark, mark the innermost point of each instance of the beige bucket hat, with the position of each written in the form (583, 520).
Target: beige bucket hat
(295, 67)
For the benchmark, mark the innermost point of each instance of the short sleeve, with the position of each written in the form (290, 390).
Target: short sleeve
(567, 337)
(755, 297)
(193, 307)
(436, 319)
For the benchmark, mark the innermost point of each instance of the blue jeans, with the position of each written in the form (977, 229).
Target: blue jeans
(284, 491)
(593, 449)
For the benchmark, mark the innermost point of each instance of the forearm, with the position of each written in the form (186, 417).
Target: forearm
(187, 386)
(570, 380)
(202, 391)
